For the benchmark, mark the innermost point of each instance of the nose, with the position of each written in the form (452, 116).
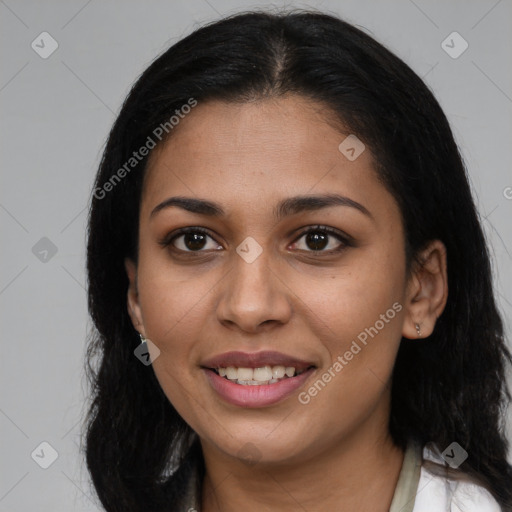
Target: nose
(254, 298)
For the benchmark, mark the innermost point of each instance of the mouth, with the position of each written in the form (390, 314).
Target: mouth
(258, 379)
(260, 376)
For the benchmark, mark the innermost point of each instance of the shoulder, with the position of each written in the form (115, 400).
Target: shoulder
(439, 494)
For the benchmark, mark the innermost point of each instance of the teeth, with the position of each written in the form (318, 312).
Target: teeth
(245, 374)
(231, 373)
(278, 372)
(261, 374)
(257, 376)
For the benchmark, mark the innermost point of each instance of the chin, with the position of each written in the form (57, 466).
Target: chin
(259, 449)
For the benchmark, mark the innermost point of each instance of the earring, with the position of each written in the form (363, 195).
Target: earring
(418, 330)
(142, 339)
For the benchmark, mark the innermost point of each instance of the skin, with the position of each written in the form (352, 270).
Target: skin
(247, 157)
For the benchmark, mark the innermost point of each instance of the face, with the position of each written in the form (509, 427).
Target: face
(319, 286)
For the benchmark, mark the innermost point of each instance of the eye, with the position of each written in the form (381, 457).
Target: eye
(195, 239)
(190, 239)
(316, 239)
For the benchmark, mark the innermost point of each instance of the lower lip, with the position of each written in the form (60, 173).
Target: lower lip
(256, 396)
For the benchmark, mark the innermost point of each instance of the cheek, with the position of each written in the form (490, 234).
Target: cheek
(345, 301)
(173, 311)
(172, 301)
(354, 383)
(359, 316)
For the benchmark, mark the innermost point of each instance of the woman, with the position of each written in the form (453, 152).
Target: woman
(290, 285)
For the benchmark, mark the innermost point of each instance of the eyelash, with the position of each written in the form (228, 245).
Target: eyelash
(346, 240)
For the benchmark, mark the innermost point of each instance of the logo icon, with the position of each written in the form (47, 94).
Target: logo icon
(454, 455)
(44, 45)
(147, 352)
(351, 147)
(44, 455)
(44, 250)
(454, 45)
(249, 249)
(249, 453)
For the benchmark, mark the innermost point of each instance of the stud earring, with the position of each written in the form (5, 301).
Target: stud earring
(418, 330)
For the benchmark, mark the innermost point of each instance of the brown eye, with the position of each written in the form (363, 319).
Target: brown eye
(191, 239)
(194, 241)
(316, 239)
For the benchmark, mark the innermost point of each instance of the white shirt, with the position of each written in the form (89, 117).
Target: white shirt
(418, 490)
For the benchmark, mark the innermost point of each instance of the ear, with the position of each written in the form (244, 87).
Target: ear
(133, 297)
(427, 291)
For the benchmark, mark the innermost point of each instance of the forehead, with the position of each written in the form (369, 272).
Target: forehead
(256, 152)
(288, 124)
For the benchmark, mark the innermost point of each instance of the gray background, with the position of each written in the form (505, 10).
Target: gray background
(56, 113)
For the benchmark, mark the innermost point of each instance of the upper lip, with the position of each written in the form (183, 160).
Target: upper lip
(255, 360)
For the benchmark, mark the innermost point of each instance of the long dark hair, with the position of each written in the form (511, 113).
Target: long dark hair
(449, 387)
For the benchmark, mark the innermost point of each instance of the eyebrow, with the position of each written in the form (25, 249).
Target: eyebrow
(287, 207)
